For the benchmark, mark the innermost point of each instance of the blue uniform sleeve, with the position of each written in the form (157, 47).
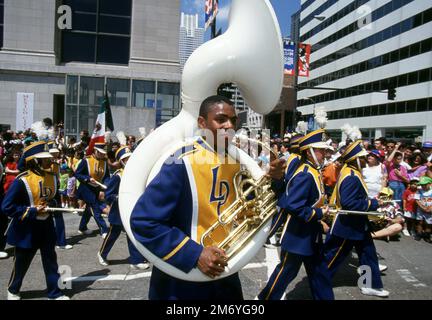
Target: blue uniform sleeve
(299, 192)
(106, 177)
(152, 217)
(15, 205)
(112, 191)
(81, 173)
(353, 196)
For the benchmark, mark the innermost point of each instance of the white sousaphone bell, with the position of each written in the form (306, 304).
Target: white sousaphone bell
(249, 54)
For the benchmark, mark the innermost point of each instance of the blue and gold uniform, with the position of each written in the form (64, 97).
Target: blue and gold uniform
(116, 225)
(58, 216)
(292, 164)
(91, 167)
(350, 231)
(30, 231)
(302, 236)
(192, 188)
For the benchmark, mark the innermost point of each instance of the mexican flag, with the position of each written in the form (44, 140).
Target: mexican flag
(104, 122)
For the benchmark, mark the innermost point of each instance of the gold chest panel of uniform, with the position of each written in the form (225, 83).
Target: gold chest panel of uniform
(96, 168)
(40, 188)
(214, 187)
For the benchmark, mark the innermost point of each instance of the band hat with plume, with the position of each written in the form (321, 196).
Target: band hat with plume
(123, 153)
(294, 141)
(352, 133)
(38, 150)
(52, 147)
(100, 146)
(353, 151)
(315, 139)
(121, 137)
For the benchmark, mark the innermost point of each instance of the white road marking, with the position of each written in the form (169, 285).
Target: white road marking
(408, 277)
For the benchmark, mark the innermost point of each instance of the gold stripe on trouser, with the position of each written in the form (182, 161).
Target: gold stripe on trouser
(337, 253)
(280, 216)
(97, 222)
(13, 270)
(105, 240)
(277, 277)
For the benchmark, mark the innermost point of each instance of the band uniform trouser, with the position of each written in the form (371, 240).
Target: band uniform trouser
(114, 232)
(336, 250)
(44, 242)
(287, 270)
(93, 209)
(60, 229)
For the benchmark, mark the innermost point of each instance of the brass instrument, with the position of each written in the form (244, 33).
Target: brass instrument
(72, 210)
(377, 219)
(243, 217)
(98, 184)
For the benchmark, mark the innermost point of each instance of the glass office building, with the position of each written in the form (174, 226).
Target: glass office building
(65, 61)
(367, 47)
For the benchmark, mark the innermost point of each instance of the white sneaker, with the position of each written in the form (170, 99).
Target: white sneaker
(382, 267)
(66, 247)
(102, 261)
(104, 235)
(61, 298)
(375, 292)
(86, 232)
(11, 296)
(3, 255)
(406, 232)
(140, 266)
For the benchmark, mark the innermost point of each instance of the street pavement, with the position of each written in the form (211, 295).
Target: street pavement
(408, 276)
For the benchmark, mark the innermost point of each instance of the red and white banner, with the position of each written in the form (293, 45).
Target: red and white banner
(303, 59)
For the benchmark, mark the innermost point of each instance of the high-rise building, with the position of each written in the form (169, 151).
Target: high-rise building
(57, 57)
(366, 48)
(191, 36)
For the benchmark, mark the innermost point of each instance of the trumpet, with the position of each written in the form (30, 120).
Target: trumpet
(378, 218)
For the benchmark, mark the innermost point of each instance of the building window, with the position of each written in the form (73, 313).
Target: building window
(1, 22)
(143, 93)
(119, 92)
(100, 32)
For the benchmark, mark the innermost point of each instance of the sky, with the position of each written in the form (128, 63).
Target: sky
(283, 8)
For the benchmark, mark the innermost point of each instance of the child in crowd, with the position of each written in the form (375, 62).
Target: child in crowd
(71, 189)
(63, 185)
(424, 210)
(394, 220)
(410, 206)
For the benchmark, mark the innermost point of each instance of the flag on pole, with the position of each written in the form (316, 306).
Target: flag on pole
(104, 122)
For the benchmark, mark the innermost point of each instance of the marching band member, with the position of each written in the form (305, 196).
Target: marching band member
(292, 164)
(32, 228)
(350, 231)
(137, 261)
(58, 216)
(302, 235)
(192, 188)
(92, 170)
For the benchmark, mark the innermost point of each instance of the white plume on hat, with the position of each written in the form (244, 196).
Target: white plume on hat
(121, 137)
(107, 136)
(352, 133)
(42, 132)
(321, 117)
(301, 127)
(142, 132)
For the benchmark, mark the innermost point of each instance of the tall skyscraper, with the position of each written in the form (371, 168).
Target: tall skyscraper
(366, 48)
(191, 36)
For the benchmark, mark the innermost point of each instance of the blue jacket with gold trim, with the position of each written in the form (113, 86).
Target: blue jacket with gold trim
(351, 194)
(184, 199)
(90, 167)
(302, 201)
(111, 197)
(19, 203)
